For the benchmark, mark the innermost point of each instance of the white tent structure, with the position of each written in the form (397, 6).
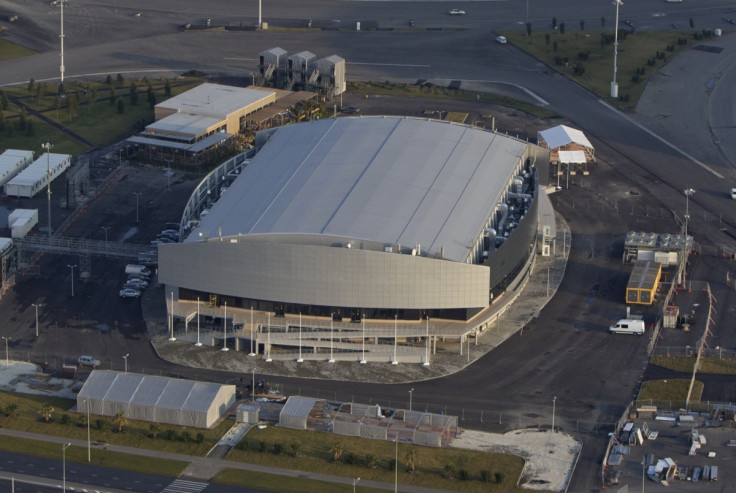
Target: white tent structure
(155, 399)
(295, 412)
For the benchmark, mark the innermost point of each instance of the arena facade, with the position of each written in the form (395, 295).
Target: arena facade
(363, 217)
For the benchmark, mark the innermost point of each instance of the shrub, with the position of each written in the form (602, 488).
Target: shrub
(155, 429)
(170, 434)
(199, 438)
(99, 424)
(186, 436)
(485, 476)
(263, 446)
(350, 459)
(65, 419)
(499, 477)
(448, 471)
(463, 475)
(277, 449)
(371, 461)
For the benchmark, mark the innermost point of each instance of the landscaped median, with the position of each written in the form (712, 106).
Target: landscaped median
(99, 457)
(315, 452)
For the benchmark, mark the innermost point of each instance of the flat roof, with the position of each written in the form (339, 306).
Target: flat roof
(395, 180)
(214, 100)
(184, 124)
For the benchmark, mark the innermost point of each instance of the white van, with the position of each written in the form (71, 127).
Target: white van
(628, 326)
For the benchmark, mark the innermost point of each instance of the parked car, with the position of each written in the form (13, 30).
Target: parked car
(130, 293)
(733, 193)
(136, 284)
(138, 277)
(351, 110)
(501, 39)
(456, 12)
(88, 361)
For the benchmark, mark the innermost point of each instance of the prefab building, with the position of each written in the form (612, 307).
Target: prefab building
(36, 176)
(12, 162)
(643, 283)
(332, 74)
(301, 66)
(21, 221)
(155, 399)
(296, 411)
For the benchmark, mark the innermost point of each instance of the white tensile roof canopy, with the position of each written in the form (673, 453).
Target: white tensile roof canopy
(562, 135)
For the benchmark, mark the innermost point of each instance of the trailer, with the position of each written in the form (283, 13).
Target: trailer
(12, 162)
(38, 175)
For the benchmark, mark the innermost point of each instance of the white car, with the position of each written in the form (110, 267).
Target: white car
(88, 361)
(130, 293)
(456, 12)
(733, 193)
(138, 285)
(501, 39)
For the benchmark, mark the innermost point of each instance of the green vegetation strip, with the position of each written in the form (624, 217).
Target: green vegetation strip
(25, 412)
(10, 50)
(104, 458)
(285, 484)
(587, 56)
(325, 453)
(720, 366)
(672, 390)
(431, 91)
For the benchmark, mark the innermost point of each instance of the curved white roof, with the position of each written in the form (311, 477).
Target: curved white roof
(400, 181)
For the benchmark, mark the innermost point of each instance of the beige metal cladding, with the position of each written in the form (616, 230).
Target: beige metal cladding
(319, 275)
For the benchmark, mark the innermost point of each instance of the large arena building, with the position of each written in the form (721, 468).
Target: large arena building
(377, 218)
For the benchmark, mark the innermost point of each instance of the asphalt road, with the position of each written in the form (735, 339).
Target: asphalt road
(565, 353)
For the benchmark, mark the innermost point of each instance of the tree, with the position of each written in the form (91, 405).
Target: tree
(582, 25)
(155, 429)
(546, 38)
(554, 22)
(371, 461)
(296, 449)
(108, 80)
(411, 460)
(528, 28)
(562, 28)
(167, 89)
(186, 436)
(692, 23)
(113, 95)
(133, 94)
(22, 120)
(4, 101)
(11, 410)
(29, 128)
(486, 476)
(2, 121)
(120, 421)
(121, 106)
(603, 21)
(120, 80)
(46, 411)
(336, 452)
(90, 99)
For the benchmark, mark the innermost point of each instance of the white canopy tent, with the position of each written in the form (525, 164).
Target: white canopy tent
(155, 399)
(563, 137)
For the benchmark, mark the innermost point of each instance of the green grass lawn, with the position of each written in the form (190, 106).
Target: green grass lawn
(707, 365)
(284, 484)
(10, 50)
(671, 391)
(593, 51)
(97, 121)
(177, 439)
(104, 458)
(374, 460)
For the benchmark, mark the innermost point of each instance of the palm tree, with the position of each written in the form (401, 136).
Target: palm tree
(411, 460)
(120, 420)
(296, 449)
(336, 452)
(155, 429)
(11, 410)
(46, 411)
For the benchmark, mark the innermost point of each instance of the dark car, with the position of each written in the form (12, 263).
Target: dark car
(351, 110)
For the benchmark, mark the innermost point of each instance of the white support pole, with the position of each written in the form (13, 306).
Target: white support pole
(300, 360)
(268, 354)
(331, 360)
(171, 318)
(251, 333)
(396, 340)
(198, 341)
(362, 359)
(224, 331)
(427, 343)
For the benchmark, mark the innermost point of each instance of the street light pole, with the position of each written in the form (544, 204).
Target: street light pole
(63, 466)
(198, 343)
(106, 228)
(36, 306)
(126, 362)
(224, 328)
(554, 402)
(89, 442)
(410, 396)
(251, 333)
(614, 84)
(137, 194)
(48, 147)
(7, 359)
(72, 268)
(355, 481)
